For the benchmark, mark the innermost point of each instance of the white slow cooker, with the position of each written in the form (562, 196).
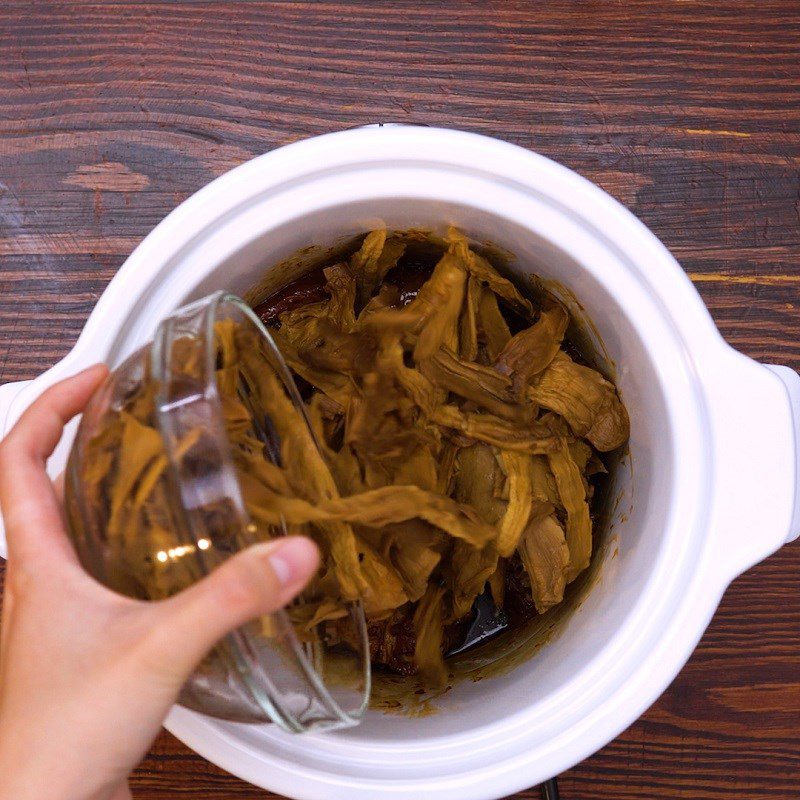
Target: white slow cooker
(709, 490)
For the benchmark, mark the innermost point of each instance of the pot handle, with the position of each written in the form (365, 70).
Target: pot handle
(791, 380)
(8, 393)
(753, 506)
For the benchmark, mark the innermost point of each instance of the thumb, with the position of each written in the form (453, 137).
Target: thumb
(257, 581)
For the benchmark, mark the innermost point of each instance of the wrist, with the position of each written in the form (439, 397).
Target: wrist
(18, 782)
(122, 792)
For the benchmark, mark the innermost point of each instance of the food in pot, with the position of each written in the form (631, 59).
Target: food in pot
(460, 436)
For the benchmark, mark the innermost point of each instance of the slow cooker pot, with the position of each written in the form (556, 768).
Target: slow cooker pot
(710, 487)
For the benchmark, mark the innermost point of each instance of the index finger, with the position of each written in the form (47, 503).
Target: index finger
(31, 511)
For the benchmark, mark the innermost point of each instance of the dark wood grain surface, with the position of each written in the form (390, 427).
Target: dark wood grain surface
(688, 112)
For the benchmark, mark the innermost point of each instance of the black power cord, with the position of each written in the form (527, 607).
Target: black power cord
(550, 790)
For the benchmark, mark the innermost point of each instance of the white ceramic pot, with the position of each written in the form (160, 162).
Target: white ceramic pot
(714, 445)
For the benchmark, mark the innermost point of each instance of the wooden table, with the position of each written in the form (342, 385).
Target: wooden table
(687, 112)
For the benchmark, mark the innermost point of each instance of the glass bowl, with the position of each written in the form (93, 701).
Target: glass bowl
(155, 501)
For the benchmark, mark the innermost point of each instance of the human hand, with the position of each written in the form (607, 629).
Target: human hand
(86, 675)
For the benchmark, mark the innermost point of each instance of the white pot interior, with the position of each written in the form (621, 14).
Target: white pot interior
(630, 540)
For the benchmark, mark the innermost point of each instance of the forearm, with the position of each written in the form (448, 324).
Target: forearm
(122, 792)
(32, 777)
(20, 784)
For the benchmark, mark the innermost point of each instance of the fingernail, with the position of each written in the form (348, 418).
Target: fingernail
(292, 559)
